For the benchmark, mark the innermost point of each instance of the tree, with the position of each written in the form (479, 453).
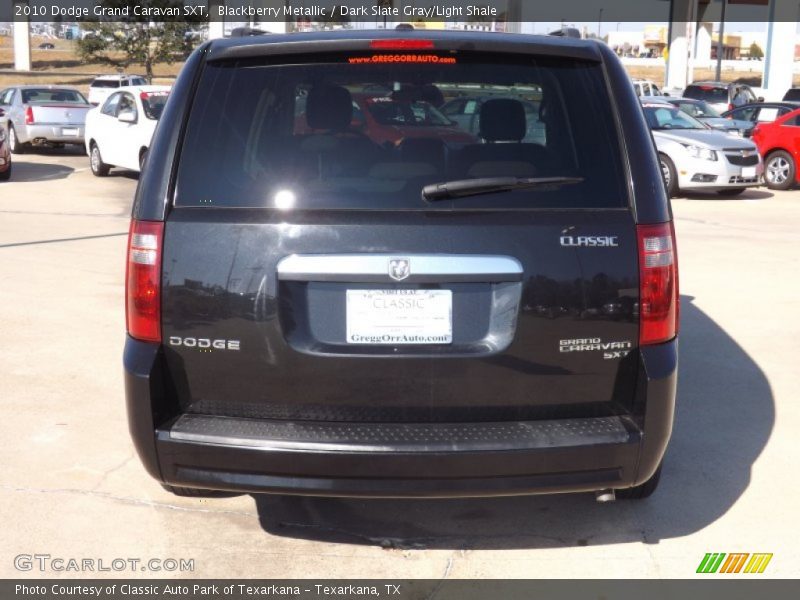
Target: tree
(134, 39)
(756, 51)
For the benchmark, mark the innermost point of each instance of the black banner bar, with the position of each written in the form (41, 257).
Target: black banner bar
(343, 12)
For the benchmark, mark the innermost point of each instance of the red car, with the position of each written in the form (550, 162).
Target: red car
(5, 156)
(779, 144)
(387, 121)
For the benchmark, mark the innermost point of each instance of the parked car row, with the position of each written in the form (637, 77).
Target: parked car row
(115, 133)
(694, 157)
(116, 124)
(701, 147)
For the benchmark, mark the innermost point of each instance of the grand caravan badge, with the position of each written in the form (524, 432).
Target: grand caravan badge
(610, 350)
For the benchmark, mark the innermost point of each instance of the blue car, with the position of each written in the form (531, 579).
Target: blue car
(708, 115)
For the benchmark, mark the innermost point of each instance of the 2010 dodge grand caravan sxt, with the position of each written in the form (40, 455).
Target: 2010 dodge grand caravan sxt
(485, 305)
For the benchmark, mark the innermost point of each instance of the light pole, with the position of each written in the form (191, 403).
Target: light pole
(721, 41)
(599, 21)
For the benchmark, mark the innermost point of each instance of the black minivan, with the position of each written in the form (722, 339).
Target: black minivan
(324, 302)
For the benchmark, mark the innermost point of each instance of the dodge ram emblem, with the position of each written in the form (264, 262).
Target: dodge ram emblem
(399, 268)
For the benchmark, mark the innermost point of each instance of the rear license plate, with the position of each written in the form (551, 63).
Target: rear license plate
(69, 131)
(399, 317)
(748, 171)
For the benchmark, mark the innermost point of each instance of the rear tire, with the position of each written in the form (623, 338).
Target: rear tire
(779, 170)
(187, 492)
(99, 168)
(640, 492)
(669, 174)
(14, 144)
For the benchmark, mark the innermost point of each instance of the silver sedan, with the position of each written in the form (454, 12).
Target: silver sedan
(42, 115)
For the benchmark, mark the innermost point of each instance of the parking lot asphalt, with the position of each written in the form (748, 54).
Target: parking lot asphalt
(72, 487)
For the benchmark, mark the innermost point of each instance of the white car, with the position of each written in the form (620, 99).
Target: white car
(695, 157)
(118, 133)
(645, 87)
(105, 85)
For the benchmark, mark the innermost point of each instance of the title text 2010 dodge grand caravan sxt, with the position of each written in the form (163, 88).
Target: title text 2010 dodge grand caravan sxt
(312, 309)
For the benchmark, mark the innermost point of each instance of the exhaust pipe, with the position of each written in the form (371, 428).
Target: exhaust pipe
(604, 496)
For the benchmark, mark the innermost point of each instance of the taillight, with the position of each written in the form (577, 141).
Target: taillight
(401, 44)
(143, 280)
(658, 283)
(29, 116)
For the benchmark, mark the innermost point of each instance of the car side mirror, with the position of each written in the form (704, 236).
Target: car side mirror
(127, 116)
(666, 94)
(760, 99)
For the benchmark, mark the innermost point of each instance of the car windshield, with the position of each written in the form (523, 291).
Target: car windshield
(52, 95)
(153, 103)
(698, 109)
(297, 136)
(709, 93)
(416, 113)
(661, 117)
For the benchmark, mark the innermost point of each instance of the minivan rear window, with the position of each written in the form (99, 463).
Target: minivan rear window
(715, 95)
(352, 132)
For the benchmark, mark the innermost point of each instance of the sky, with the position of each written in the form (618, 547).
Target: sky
(605, 27)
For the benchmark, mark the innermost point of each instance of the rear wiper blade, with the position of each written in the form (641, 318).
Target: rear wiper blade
(489, 185)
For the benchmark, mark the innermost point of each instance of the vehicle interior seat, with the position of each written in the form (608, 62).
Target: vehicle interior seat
(503, 126)
(335, 148)
(413, 158)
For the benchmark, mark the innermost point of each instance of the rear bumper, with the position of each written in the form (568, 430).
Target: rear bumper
(54, 133)
(399, 460)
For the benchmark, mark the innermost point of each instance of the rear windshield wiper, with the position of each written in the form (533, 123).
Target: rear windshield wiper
(489, 185)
